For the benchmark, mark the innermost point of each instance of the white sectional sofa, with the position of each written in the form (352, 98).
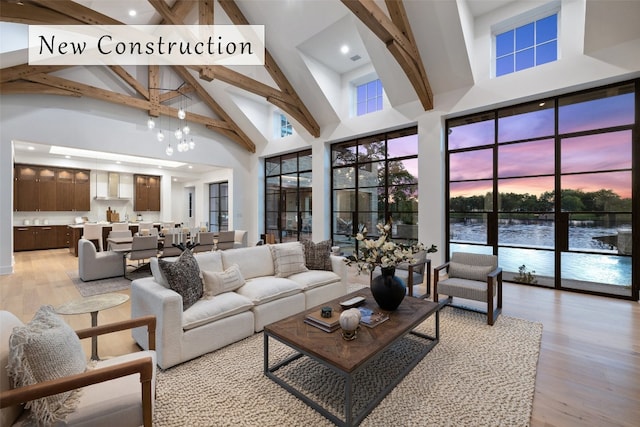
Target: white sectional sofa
(215, 321)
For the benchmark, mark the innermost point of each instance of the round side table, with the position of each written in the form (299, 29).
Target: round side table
(93, 305)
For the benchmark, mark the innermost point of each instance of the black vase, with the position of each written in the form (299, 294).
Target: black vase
(387, 289)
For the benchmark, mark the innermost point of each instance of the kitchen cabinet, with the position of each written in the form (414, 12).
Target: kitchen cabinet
(42, 188)
(147, 189)
(39, 237)
(82, 191)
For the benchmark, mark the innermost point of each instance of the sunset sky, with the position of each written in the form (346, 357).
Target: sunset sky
(580, 155)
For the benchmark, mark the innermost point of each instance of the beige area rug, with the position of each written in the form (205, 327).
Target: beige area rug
(103, 286)
(477, 375)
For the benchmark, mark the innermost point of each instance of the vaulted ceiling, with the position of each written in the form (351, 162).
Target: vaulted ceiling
(409, 45)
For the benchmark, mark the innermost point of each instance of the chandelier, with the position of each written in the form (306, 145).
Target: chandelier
(182, 130)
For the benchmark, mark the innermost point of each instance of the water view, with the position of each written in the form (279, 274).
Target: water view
(534, 243)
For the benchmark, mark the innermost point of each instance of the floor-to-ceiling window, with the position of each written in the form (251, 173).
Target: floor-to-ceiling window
(288, 196)
(219, 206)
(375, 179)
(548, 186)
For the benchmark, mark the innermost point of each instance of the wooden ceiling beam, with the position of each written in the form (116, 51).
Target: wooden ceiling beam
(239, 135)
(121, 99)
(31, 88)
(153, 73)
(135, 84)
(205, 12)
(167, 96)
(398, 38)
(77, 11)
(21, 71)
(30, 13)
(294, 102)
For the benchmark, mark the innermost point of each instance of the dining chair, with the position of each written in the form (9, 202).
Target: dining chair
(205, 241)
(142, 248)
(93, 232)
(120, 226)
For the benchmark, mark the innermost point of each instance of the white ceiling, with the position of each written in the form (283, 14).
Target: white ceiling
(317, 29)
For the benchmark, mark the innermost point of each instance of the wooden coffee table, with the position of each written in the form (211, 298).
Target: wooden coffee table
(347, 358)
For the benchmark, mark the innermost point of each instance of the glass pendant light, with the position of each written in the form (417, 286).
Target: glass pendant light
(169, 150)
(151, 123)
(181, 113)
(178, 134)
(192, 145)
(186, 129)
(160, 135)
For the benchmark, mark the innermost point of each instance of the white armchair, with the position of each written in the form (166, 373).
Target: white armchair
(116, 392)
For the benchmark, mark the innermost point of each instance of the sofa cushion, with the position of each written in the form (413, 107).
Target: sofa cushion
(264, 289)
(314, 278)
(44, 349)
(255, 261)
(217, 282)
(209, 310)
(317, 256)
(183, 276)
(288, 258)
(470, 272)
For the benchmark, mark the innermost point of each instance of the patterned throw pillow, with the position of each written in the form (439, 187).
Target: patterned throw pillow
(288, 259)
(183, 276)
(218, 282)
(317, 255)
(44, 349)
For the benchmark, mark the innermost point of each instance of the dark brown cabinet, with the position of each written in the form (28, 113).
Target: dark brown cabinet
(41, 188)
(82, 191)
(147, 197)
(40, 237)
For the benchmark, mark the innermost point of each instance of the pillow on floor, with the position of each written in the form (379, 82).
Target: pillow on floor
(288, 258)
(218, 282)
(317, 255)
(44, 349)
(183, 276)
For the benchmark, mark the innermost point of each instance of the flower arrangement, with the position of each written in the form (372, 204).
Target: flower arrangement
(382, 251)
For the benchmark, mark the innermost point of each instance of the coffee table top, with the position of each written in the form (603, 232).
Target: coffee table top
(349, 355)
(92, 304)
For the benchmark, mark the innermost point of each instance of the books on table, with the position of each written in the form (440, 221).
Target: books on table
(371, 318)
(327, 324)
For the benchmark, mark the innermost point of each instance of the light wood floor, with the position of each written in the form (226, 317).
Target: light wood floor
(588, 371)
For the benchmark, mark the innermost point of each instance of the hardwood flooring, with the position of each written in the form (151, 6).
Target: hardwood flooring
(588, 371)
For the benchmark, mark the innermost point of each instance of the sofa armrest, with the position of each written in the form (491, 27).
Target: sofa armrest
(339, 266)
(148, 297)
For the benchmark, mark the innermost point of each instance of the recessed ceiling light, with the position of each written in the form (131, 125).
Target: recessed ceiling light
(67, 156)
(31, 148)
(132, 12)
(78, 152)
(175, 179)
(118, 162)
(159, 166)
(344, 49)
(190, 167)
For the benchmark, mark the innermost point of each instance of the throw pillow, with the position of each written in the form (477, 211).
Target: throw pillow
(288, 259)
(183, 276)
(317, 256)
(44, 349)
(215, 282)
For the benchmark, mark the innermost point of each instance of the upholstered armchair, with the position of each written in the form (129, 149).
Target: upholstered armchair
(116, 392)
(94, 265)
(471, 276)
